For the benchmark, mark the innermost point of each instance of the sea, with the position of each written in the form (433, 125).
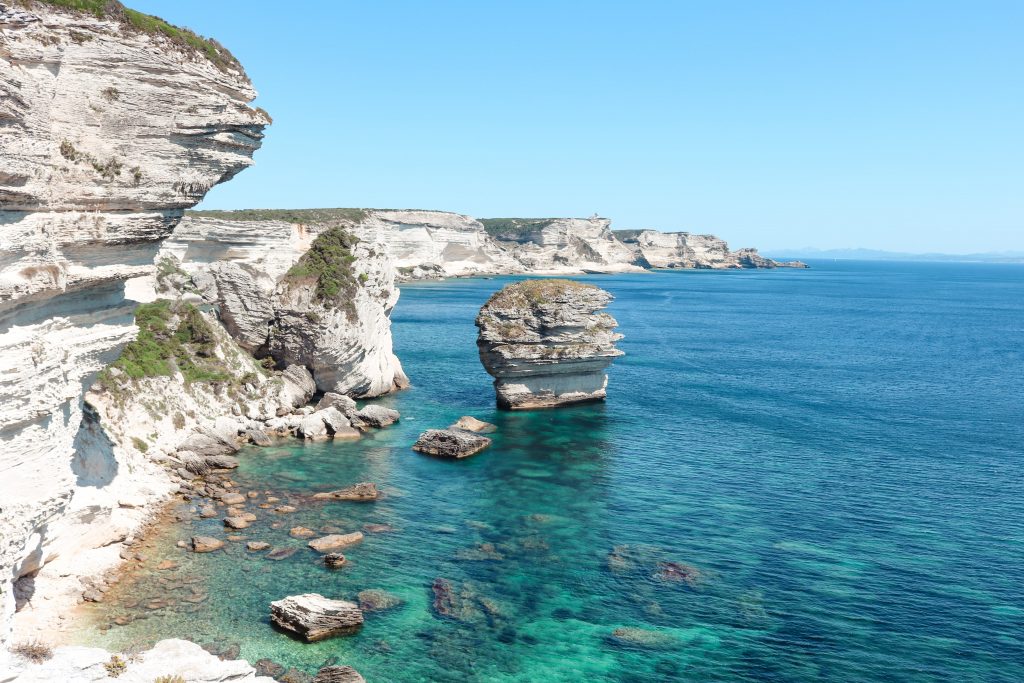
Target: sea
(798, 475)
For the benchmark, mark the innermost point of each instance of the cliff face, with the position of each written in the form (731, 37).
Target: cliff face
(563, 245)
(547, 344)
(107, 133)
(656, 249)
(252, 272)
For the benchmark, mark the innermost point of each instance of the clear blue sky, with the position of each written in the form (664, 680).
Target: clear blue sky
(884, 124)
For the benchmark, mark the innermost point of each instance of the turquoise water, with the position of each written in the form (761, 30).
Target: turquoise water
(837, 451)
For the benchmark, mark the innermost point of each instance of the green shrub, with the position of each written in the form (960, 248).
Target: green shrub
(139, 444)
(115, 667)
(169, 679)
(328, 264)
(328, 217)
(111, 9)
(160, 348)
(514, 228)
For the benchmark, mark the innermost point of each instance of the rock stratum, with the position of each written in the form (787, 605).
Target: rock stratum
(109, 130)
(439, 244)
(547, 343)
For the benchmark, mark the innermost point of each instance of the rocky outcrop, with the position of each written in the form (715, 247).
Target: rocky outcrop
(654, 249)
(312, 617)
(168, 658)
(450, 443)
(547, 343)
(267, 283)
(471, 424)
(338, 674)
(108, 132)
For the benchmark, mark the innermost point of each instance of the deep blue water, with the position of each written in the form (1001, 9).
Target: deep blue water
(837, 450)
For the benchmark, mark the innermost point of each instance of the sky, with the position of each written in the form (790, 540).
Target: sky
(889, 124)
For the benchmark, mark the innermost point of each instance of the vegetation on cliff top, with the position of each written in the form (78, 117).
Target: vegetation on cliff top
(329, 263)
(304, 216)
(514, 228)
(114, 10)
(535, 292)
(173, 335)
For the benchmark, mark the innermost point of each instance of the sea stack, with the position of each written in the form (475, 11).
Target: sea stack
(547, 343)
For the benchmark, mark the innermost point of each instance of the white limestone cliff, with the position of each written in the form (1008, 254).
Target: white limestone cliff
(240, 268)
(655, 249)
(563, 245)
(107, 134)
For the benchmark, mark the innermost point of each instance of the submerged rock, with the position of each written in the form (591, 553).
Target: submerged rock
(471, 424)
(377, 600)
(547, 344)
(281, 553)
(335, 541)
(363, 491)
(677, 572)
(450, 443)
(645, 638)
(313, 617)
(338, 674)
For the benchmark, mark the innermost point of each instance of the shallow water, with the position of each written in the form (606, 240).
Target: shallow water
(837, 450)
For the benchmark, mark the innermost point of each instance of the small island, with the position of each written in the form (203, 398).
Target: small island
(547, 343)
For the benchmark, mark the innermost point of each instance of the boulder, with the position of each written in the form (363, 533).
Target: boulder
(335, 541)
(450, 443)
(344, 404)
(312, 617)
(206, 544)
(471, 424)
(301, 532)
(363, 491)
(221, 462)
(257, 546)
(378, 416)
(236, 523)
(334, 560)
(258, 437)
(338, 674)
(312, 427)
(232, 499)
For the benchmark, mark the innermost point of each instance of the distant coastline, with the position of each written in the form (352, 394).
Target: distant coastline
(880, 255)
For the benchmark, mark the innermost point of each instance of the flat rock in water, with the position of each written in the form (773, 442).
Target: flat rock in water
(236, 522)
(257, 545)
(378, 416)
(450, 443)
(301, 532)
(338, 674)
(313, 617)
(232, 499)
(471, 424)
(363, 491)
(335, 541)
(206, 544)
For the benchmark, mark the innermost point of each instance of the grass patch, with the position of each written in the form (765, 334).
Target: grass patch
(33, 650)
(139, 444)
(173, 336)
(328, 264)
(515, 228)
(216, 53)
(529, 293)
(305, 216)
